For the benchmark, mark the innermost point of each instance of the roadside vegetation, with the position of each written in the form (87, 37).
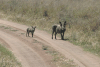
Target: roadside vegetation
(57, 58)
(7, 59)
(83, 23)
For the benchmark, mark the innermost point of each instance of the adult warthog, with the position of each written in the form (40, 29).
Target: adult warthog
(59, 29)
(30, 29)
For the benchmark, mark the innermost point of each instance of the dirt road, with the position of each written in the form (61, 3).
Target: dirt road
(30, 58)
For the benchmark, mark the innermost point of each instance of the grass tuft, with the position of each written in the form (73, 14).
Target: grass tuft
(45, 47)
(7, 59)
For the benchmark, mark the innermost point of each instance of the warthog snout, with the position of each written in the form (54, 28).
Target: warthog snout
(61, 28)
(30, 29)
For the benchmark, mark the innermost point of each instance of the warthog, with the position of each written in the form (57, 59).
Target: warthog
(30, 29)
(59, 29)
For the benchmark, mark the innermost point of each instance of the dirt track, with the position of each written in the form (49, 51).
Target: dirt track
(30, 58)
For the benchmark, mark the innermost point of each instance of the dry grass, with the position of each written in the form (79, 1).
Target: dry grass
(57, 58)
(83, 17)
(7, 59)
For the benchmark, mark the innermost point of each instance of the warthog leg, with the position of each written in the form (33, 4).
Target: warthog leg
(52, 34)
(32, 34)
(55, 34)
(54, 31)
(28, 33)
(63, 36)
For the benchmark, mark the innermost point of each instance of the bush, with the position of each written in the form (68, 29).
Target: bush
(82, 16)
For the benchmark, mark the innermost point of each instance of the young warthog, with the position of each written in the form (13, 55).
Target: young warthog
(30, 29)
(59, 29)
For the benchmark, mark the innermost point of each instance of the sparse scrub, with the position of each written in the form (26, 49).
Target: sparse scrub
(7, 28)
(45, 47)
(82, 17)
(14, 30)
(7, 59)
(22, 33)
(59, 59)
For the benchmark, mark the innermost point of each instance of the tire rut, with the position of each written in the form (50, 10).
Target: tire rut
(75, 53)
(28, 57)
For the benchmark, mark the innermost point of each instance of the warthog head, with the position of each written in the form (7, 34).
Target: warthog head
(30, 29)
(61, 28)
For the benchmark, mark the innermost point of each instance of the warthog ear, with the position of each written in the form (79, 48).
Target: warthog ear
(65, 23)
(60, 23)
(32, 26)
(35, 27)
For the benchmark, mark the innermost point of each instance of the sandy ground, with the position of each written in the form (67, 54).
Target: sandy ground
(21, 47)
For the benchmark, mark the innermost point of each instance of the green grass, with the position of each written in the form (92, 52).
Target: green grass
(83, 23)
(7, 59)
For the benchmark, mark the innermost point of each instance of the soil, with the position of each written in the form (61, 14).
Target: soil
(29, 50)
